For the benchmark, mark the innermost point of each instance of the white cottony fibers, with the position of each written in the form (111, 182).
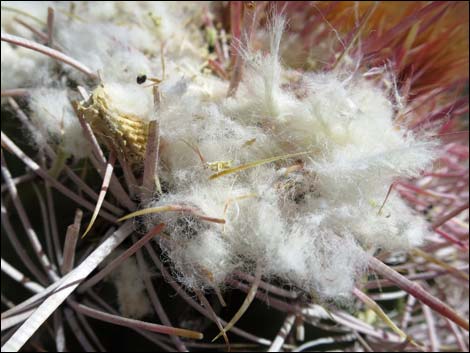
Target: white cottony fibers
(22, 67)
(56, 122)
(129, 99)
(130, 287)
(310, 221)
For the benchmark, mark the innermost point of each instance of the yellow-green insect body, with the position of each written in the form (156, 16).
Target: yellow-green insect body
(219, 166)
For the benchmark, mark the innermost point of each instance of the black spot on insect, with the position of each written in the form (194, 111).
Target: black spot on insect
(141, 79)
(211, 48)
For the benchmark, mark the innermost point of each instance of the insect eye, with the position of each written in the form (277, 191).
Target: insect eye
(141, 79)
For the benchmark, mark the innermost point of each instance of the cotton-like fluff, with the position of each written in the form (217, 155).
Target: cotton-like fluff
(35, 12)
(130, 99)
(56, 122)
(128, 39)
(310, 217)
(313, 154)
(200, 256)
(22, 68)
(319, 261)
(131, 295)
(196, 134)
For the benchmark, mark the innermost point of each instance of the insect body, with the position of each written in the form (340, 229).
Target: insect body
(219, 165)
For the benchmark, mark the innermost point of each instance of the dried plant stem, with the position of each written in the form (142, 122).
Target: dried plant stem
(410, 303)
(59, 333)
(210, 24)
(246, 303)
(458, 335)
(209, 308)
(55, 54)
(316, 311)
(15, 319)
(237, 347)
(388, 296)
(363, 342)
(172, 208)
(153, 337)
(236, 13)
(99, 162)
(77, 331)
(53, 222)
(269, 287)
(104, 188)
(10, 146)
(45, 222)
(52, 155)
(412, 277)
(241, 37)
(431, 326)
(462, 246)
(50, 26)
(275, 303)
(257, 164)
(194, 304)
(299, 328)
(36, 32)
(449, 216)
(90, 332)
(32, 236)
(379, 213)
(450, 269)
(283, 333)
(129, 177)
(19, 180)
(19, 248)
(325, 340)
(156, 301)
(217, 68)
(151, 181)
(71, 238)
(20, 278)
(122, 321)
(121, 258)
(218, 293)
(23, 13)
(7, 302)
(417, 291)
(15, 92)
(31, 302)
(90, 192)
(427, 192)
(67, 285)
(356, 35)
(380, 313)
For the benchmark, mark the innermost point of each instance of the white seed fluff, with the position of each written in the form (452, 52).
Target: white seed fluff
(131, 294)
(313, 227)
(56, 122)
(310, 220)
